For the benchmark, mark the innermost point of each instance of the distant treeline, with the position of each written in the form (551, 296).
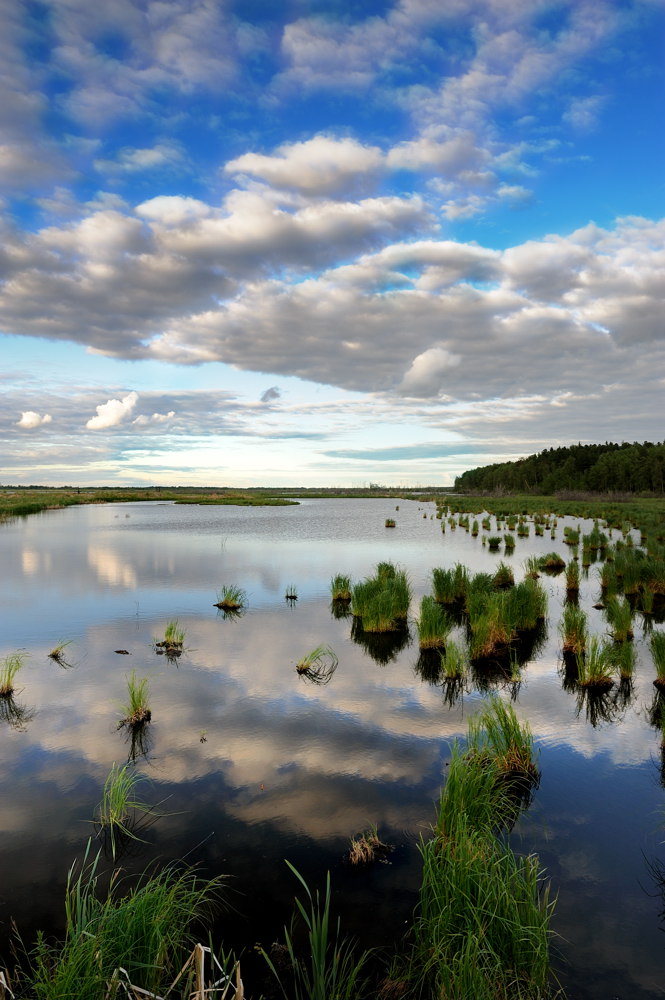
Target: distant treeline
(593, 468)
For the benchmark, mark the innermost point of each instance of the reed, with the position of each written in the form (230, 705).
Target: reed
(433, 624)
(657, 648)
(619, 615)
(331, 969)
(137, 710)
(9, 668)
(340, 588)
(231, 598)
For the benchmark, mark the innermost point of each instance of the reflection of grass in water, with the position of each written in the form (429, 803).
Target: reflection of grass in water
(15, 715)
(291, 592)
(454, 661)
(9, 668)
(383, 647)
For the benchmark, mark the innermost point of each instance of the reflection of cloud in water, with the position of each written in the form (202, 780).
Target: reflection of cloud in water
(111, 568)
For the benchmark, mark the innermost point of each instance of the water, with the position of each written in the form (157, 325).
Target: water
(251, 764)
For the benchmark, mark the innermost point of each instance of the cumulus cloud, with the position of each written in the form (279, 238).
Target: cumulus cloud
(271, 394)
(113, 412)
(322, 165)
(428, 371)
(143, 420)
(29, 420)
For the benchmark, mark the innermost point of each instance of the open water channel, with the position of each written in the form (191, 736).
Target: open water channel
(253, 764)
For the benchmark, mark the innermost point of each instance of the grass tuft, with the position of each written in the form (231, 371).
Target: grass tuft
(231, 598)
(9, 667)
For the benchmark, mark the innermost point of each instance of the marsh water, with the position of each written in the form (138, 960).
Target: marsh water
(251, 764)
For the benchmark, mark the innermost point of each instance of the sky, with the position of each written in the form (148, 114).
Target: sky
(326, 242)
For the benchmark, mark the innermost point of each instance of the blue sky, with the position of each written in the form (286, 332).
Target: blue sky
(250, 243)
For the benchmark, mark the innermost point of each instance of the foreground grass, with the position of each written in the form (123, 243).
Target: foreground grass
(482, 928)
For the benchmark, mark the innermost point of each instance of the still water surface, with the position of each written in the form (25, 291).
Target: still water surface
(252, 764)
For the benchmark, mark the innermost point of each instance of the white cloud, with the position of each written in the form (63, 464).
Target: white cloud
(157, 418)
(322, 165)
(428, 372)
(113, 412)
(29, 420)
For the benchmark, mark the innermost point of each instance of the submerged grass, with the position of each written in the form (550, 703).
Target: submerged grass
(367, 848)
(117, 812)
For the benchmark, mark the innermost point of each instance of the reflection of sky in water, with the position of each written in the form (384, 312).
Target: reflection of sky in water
(256, 764)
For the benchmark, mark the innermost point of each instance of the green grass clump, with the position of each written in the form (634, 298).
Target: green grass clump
(231, 598)
(572, 577)
(433, 624)
(596, 665)
(340, 588)
(450, 585)
(9, 667)
(117, 812)
(137, 710)
(503, 577)
(657, 647)
(619, 615)
(318, 665)
(509, 543)
(552, 562)
(454, 661)
(382, 602)
(493, 542)
(57, 653)
(573, 628)
(136, 936)
(390, 522)
(482, 927)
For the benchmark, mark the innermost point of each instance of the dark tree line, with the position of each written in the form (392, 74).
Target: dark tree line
(597, 468)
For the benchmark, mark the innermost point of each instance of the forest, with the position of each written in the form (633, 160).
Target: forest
(593, 468)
